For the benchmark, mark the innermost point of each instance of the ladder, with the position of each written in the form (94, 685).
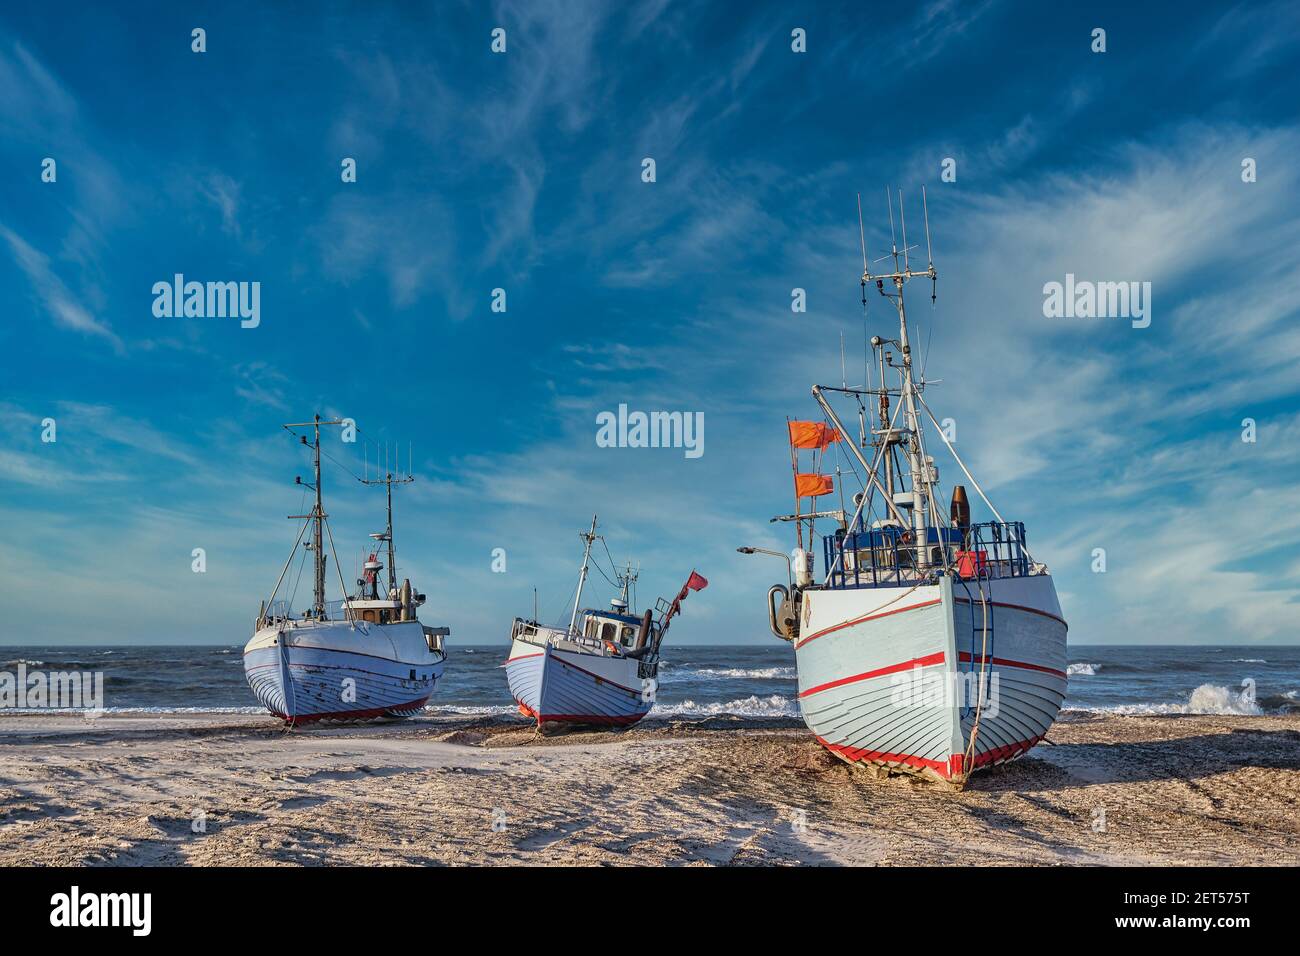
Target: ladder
(981, 632)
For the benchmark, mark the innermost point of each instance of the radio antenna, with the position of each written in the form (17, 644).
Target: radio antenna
(862, 236)
(388, 480)
(902, 216)
(889, 200)
(934, 280)
(844, 375)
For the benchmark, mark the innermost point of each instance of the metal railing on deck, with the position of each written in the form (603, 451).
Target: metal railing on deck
(280, 610)
(1003, 543)
(886, 557)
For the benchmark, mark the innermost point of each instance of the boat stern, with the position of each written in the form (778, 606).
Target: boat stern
(937, 680)
(525, 666)
(566, 685)
(338, 671)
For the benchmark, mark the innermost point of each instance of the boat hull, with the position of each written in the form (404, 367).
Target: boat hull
(335, 671)
(891, 677)
(562, 689)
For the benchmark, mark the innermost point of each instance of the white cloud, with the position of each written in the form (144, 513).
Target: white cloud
(59, 303)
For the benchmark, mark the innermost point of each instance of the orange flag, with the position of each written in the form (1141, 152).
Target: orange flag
(810, 486)
(812, 434)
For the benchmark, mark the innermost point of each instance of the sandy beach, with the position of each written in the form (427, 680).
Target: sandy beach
(237, 790)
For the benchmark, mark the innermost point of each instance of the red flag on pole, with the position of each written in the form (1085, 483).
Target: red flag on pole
(810, 486)
(812, 434)
(696, 582)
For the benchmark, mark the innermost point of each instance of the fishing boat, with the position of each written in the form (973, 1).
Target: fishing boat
(927, 643)
(364, 657)
(602, 669)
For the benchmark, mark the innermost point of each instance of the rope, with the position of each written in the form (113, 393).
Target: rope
(288, 684)
(339, 568)
(969, 758)
(573, 592)
(341, 465)
(867, 489)
(302, 566)
(933, 516)
(877, 610)
(612, 566)
(966, 472)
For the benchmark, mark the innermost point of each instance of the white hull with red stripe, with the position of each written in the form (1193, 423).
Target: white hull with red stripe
(309, 671)
(562, 684)
(885, 673)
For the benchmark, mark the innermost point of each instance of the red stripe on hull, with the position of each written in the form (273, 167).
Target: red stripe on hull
(369, 714)
(594, 719)
(863, 619)
(339, 650)
(1017, 607)
(953, 767)
(856, 754)
(1003, 662)
(602, 720)
(596, 677)
(928, 661)
(1005, 753)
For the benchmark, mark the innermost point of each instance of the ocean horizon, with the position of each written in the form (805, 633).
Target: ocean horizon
(698, 681)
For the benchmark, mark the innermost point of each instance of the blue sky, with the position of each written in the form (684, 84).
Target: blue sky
(522, 171)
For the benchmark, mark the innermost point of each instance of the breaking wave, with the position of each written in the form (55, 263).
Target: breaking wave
(1206, 699)
(489, 710)
(1083, 670)
(752, 706)
(731, 673)
(1288, 703)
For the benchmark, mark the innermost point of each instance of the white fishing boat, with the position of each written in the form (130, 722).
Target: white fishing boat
(927, 644)
(364, 657)
(602, 669)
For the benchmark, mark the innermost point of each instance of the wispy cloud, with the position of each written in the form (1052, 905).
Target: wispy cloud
(58, 302)
(522, 171)
(223, 192)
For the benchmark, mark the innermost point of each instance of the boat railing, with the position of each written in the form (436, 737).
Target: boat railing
(281, 610)
(523, 629)
(887, 557)
(1000, 546)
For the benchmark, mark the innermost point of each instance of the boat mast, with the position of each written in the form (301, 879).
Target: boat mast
(886, 435)
(589, 537)
(388, 530)
(318, 515)
(318, 545)
(627, 579)
(919, 467)
(388, 481)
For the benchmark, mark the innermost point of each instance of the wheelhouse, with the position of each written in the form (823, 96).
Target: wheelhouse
(623, 630)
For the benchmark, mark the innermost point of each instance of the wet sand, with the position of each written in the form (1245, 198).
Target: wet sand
(236, 790)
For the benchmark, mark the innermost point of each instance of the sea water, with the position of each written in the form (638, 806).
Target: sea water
(698, 681)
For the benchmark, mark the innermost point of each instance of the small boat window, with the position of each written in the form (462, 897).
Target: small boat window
(629, 636)
(609, 632)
